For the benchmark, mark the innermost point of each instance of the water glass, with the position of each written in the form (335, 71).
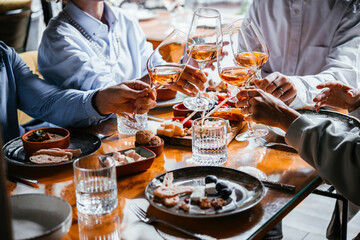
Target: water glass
(130, 127)
(95, 185)
(209, 141)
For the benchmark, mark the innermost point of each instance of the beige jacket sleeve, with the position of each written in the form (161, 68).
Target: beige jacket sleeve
(336, 156)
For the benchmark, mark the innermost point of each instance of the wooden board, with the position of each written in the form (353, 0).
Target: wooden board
(187, 140)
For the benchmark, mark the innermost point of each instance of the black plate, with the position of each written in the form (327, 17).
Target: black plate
(341, 121)
(247, 190)
(15, 154)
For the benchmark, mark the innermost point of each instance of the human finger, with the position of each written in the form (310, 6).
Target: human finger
(188, 76)
(322, 95)
(245, 93)
(196, 73)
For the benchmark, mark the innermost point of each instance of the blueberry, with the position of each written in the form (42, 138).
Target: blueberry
(211, 179)
(225, 193)
(220, 185)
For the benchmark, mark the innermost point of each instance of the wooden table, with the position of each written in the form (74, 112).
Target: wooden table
(279, 165)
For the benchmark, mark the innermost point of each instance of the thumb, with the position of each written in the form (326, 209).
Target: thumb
(351, 93)
(257, 82)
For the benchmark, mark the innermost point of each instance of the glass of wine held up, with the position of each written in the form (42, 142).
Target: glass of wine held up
(256, 44)
(204, 31)
(233, 73)
(168, 61)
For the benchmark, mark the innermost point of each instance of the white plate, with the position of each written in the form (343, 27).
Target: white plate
(40, 216)
(145, 14)
(178, 99)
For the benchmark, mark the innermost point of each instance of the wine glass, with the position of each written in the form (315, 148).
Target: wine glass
(256, 43)
(168, 61)
(248, 48)
(204, 31)
(165, 66)
(233, 73)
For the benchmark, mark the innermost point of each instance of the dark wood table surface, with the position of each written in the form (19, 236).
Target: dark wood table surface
(280, 165)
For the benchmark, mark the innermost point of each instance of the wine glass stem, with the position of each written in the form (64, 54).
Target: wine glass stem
(202, 67)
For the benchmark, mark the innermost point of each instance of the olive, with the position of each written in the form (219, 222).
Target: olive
(225, 193)
(211, 179)
(220, 185)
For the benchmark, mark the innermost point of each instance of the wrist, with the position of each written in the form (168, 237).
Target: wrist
(99, 105)
(288, 117)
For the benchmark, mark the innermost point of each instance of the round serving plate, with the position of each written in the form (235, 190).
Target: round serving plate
(342, 122)
(15, 154)
(247, 190)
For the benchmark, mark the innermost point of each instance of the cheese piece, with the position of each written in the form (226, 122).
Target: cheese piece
(210, 188)
(130, 159)
(136, 157)
(160, 131)
(129, 153)
(179, 129)
(170, 125)
(169, 132)
(198, 193)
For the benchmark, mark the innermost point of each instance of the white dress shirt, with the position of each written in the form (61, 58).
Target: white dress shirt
(310, 41)
(67, 58)
(335, 155)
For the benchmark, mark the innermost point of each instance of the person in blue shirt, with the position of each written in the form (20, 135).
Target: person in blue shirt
(21, 89)
(92, 45)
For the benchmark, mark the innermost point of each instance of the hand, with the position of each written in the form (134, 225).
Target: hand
(130, 96)
(335, 94)
(195, 78)
(279, 86)
(265, 109)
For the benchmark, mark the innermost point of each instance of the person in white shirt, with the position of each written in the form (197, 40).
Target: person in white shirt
(335, 155)
(92, 45)
(310, 42)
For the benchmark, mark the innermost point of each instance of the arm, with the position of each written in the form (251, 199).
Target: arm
(341, 64)
(335, 156)
(44, 101)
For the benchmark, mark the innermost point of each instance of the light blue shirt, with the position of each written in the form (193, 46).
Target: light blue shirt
(69, 60)
(21, 89)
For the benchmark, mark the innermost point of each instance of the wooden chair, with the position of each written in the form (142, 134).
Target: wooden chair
(30, 58)
(15, 27)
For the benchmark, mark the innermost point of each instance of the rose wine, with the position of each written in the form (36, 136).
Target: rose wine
(166, 74)
(203, 53)
(245, 59)
(236, 76)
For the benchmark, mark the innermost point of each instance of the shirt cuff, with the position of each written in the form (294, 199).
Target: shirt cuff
(300, 99)
(89, 108)
(355, 113)
(295, 130)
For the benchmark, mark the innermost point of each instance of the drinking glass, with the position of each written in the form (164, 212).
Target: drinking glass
(168, 61)
(249, 50)
(209, 141)
(234, 74)
(204, 31)
(256, 44)
(95, 185)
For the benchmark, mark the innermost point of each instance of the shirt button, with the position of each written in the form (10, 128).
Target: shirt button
(296, 11)
(294, 41)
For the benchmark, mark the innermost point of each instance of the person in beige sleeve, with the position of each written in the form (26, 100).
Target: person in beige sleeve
(336, 156)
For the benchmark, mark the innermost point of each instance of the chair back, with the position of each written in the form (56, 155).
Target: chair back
(15, 28)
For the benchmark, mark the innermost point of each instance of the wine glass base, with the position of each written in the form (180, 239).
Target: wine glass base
(251, 134)
(197, 103)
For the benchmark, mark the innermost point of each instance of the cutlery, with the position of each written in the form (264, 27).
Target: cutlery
(29, 182)
(103, 137)
(267, 144)
(155, 118)
(280, 186)
(144, 217)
